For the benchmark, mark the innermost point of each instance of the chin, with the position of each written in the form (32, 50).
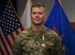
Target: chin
(37, 23)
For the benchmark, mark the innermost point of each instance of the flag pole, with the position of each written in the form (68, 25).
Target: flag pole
(14, 9)
(22, 27)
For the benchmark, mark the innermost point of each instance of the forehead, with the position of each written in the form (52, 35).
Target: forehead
(38, 9)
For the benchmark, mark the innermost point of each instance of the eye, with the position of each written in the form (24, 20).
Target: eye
(40, 13)
(33, 12)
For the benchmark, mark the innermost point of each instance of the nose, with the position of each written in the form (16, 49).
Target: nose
(37, 15)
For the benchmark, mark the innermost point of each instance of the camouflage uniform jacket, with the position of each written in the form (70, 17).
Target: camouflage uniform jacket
(45, 42)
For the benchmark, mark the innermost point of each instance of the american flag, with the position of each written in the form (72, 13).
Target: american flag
(10, 27)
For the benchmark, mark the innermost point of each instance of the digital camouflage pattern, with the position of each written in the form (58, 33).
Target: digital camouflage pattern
(45, 42)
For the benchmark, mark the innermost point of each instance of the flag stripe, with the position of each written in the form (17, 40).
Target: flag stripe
(12, 36)
(7, 45)
(3, 48)
(15, 35)
(17, 32)
(22, 28)
(2, 53)
(4, 44)
(10, 27)
(8, 41)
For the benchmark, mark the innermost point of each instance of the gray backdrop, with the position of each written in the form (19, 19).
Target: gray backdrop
(68, 6)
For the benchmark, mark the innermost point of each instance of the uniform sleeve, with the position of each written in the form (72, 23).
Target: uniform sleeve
(59, 47)
(16, 50)
(17, 46)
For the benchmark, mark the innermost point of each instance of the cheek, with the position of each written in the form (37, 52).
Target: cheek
(43, 17)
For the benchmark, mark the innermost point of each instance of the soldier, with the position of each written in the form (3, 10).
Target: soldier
(38, 40)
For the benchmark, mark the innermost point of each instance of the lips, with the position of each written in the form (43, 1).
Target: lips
(37, 19)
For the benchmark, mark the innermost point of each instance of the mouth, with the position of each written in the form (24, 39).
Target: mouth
(37, 19)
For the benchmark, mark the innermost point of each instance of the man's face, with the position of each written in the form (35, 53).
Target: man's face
(38, 15)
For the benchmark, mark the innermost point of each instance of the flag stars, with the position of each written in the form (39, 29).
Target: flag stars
(12, 29)
(9, 7)
(4, 15)
(6, 33)
(18, 24)
(4, 29)
(8, 13)
(2, 25)
(12, 25)
(8, 20)
(11, 15)
(15, 23)
(3, 21)
(5, 8)
(5, 12)
(11, 18)
(15, 26)
(9, 31)
(7, 23)
(11, 11)
(14, 15)
(3, 18)
(6, 5)
(16, 20)
(7, 27)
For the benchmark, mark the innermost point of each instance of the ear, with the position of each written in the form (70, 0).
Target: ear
(45, 16)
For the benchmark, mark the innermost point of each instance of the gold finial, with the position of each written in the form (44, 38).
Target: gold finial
(60, 2)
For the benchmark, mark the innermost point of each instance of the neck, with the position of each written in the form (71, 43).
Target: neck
(37, 27)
